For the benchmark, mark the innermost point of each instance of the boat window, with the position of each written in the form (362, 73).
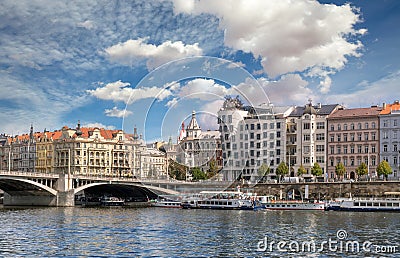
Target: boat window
(396, 204)
(293, 205)
(229, 203)
(356, 204)
(390, 204)
(383, 204)
(363, 204)
(376, 203)
(369, 203)
(267, 205)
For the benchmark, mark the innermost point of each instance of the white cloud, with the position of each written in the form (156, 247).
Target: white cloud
(128, 52)
(370, 93)
(289, 36)
(115, 112)
(172, 102)
(325, 85)
(203, 89)
(86, 24)
(99, 125)
(119, 92)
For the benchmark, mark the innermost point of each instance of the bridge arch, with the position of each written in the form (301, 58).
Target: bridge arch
(156, 190)
(12, 184)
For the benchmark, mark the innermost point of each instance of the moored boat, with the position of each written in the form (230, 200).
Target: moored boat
(109, 201)
(269, 202)
(222, 200)
(386, 204)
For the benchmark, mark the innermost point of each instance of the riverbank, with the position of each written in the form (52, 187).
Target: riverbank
(327, 190)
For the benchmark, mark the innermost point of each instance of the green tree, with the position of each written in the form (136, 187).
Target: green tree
(282, 169)
(301, 171)
(263, 171)
(384, 169)
(340, 170)
(362, 169)
(176, 171)
(212, 168)
(197, 174)
(316, 170)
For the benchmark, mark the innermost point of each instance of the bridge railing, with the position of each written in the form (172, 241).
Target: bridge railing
(28, 174)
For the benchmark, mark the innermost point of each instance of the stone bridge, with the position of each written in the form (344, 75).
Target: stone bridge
(43, 189)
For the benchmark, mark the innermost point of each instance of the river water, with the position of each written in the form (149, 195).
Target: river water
(160, 232)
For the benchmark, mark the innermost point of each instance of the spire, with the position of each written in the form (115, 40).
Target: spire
(78, 129)
(193, 125)
(31, 133)
(135, 134)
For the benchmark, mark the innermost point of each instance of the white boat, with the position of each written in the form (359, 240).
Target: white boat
(388, 203)
(111, 201)
(269, 202)
(222, 200)
(167, 201)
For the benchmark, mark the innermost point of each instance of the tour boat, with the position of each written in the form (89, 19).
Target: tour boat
(366, 204)
(269, 202)
(165, 201)
(221, 200)
(111, 201)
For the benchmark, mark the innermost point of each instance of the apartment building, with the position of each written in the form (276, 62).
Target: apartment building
(389, 123)
(353, 138)
(251, 137)
(306, 134)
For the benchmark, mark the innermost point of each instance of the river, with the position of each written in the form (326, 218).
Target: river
(160, 232)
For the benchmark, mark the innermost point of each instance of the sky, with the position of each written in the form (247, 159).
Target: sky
(149, 64)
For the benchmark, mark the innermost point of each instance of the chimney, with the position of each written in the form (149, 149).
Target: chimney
(384, 105)
(396, 102)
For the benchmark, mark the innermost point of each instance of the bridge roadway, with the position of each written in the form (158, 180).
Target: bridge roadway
(49, 189)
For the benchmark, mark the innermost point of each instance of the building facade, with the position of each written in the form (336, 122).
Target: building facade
(251, 137)
(389, 123)
(306, 133)
(353, 138)
(196, 148)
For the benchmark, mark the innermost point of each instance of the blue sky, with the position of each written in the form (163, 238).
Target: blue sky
(119, 64)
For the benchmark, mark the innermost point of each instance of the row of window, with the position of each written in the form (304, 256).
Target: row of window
(352, 149)
(351, 161)
(351, 137)
(352, 126)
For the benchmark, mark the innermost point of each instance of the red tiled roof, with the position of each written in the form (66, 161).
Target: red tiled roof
(356, 112)
(391, 107)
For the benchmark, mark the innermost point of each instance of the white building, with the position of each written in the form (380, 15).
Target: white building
(389, 120)
(251, 137)
(196, 148)
(306, 137)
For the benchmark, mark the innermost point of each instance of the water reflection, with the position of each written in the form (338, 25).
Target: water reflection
(173, 232)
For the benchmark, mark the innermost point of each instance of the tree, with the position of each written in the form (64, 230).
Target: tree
(384, 169)
(362, 169)
(263, 170)
(340, 170)
(301, 171)
(282, 169)
(316, 170)
(212, 168)
(176, 171)
(197, 174)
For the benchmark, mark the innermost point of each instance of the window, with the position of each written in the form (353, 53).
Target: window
(320, 159)
(320, 137)
(385, 148)
(345, 149)
(352, 162)
(339, 137)
(278, 134)
(395, 147)
(252, 127)
(366, 136)
(352, 149)
(306, 137)
(339, 127)
(395, 122)
(339, 150)
(373, 148)
(345, 137)
(373, 161)
(332, 136)
(359, 126)
(332, 150)
(258, 126)
(359, 149)
(306, 126)
(265, 135)
(271, 126)
(229, 118)
(366, 125)
(278, 125)
(306, 160)
(394, 134)
(332, 128)
(366, 149)
(345, 126)
(359, 137)
(352, 137)
(373, 136)
(385, 135)
(373, 125)
(352, 126)
(385, 123)
(306, 149)
(345, 161)
(320, 148)
(320, 125)
(265, 126)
